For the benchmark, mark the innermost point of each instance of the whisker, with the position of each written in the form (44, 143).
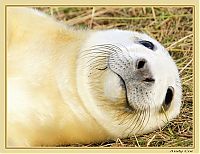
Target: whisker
(131, 121)
(99, 52)
(142, 120)
(96, 61)
(148, 117)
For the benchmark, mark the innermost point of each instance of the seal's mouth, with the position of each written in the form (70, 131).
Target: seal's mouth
(128, 103)
(149, 79)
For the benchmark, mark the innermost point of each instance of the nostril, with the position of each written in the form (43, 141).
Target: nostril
(141, 63)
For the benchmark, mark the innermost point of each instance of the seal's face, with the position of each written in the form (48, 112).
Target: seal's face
(132, 78)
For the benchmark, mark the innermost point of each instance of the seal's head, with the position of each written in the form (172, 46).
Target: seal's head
(128, 82)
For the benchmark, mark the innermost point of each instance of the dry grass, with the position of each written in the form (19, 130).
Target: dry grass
(173, 27)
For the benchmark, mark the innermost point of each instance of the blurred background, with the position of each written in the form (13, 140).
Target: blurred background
(173, 28)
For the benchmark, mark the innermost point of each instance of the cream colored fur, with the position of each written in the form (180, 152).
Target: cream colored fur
(49, 101)
(41, 60)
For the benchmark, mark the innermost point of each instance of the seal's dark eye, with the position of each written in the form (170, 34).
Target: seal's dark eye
(147, 44)
(168, 98)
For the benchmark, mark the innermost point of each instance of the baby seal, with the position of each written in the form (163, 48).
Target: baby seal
(67, 86)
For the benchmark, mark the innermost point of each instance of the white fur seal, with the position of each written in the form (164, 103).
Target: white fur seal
(68, 86)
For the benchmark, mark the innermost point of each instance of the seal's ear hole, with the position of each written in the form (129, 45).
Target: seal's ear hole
(168, 98)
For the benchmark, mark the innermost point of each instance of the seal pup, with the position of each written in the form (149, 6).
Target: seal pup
(67, 86)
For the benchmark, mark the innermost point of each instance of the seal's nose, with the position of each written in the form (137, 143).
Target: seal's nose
(143, 70)
(141, 63)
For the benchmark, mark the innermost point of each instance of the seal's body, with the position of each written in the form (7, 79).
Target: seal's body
(69, 86)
